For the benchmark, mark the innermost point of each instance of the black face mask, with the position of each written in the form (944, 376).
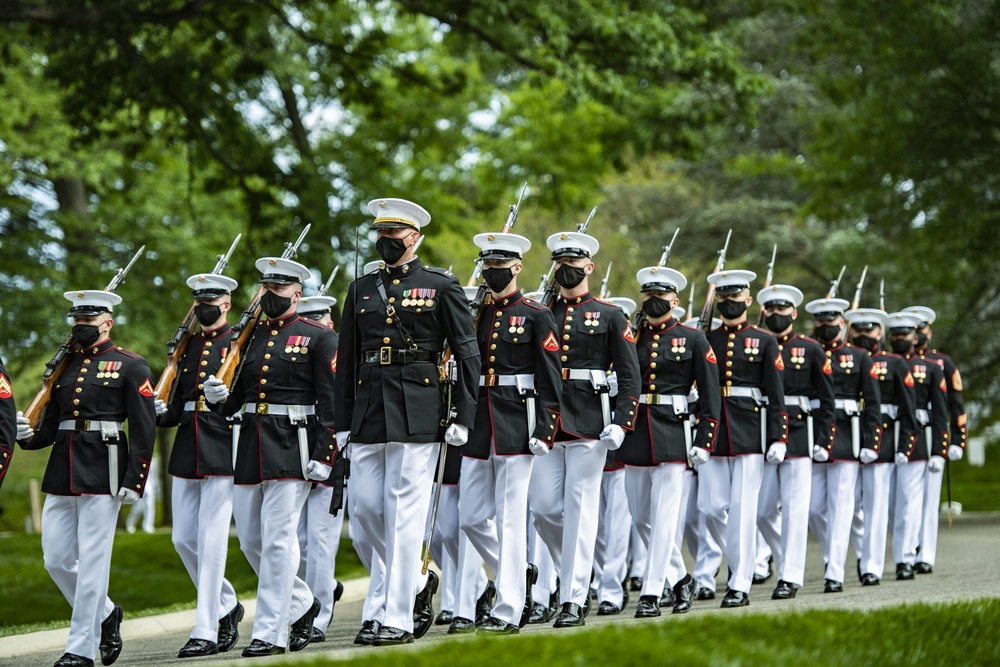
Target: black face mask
(207, 314)
(655, 307)
(498, 279)
(86, 334)
(274, 305)
(569, 276)
(921, 339)
(778, 323)
(827, 332)
(866, 342)
(732, 309)
(390, 250)
(901, 345)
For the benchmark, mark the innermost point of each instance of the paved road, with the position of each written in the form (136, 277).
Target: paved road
(967, 568)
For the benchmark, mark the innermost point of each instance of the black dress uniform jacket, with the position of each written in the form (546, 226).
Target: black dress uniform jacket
(402, 402)
(595, 336)
(932, 396)
(956, 407)
(204, 442)
(898, 395)
(516, 336)
(105, 383)
(748, 357)
(855, 379)
(807, 373)
(672, 358)
(8, 422)
(336, 477)
(290, 361)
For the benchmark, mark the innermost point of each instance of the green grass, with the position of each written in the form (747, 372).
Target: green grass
(940, 634)
(978, 489)
(146, 578)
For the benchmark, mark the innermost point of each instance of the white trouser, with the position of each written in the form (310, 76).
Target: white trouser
(787, 484)
(907, 501)
(144, 508)
(565, 493)
(461, 567)
(319, 539)
(689, 504)
(539, 554)
(202, 511)
(817, 509)
(391, 487)
(832, 506)
(78, 533)
(654, 498)
(858, 520)
(762, 550)
(374, 605)
(932, 512)
(728, 488)
(875, 481)
(707, 553)
(267, 515)
(637, 553)
(493, 511)
(614, 525)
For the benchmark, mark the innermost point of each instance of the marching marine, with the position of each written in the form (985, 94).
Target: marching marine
(8, 422)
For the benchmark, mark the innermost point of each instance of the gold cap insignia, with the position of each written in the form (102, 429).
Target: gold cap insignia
(653, 271)
(383, 204)
(491, 238)
(79, 295)
(271, 262)
(201, 279)
(563, 237)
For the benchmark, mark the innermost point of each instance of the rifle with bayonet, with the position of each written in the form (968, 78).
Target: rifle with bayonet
(329, 281)
(639, 316)
(690, 308)
(709, 308)
(57, 364)
(857, 292)
(835, 284)
(247, 324)
(767, 283)
(482, 295)
(549, 281)
(178, 344)
(605, 289)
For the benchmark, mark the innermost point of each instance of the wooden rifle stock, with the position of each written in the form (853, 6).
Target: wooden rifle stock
(54, 368)
(245, 329)
(176, 347)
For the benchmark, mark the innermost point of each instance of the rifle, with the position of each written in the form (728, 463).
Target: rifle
(329, 281)
(835, 284)
(857, 291)
(605, 292)
(178, 344)
(709, 307)
(551, 289)
(767, 283)
(691, 301)
(482, 296)
(55, 366)
(639, 316)
(244, 329)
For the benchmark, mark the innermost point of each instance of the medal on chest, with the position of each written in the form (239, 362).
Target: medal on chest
(678, 345)
(920, 372)
(751, 346)
(846, 362)
(108, 369)
(881, 369)
(798, 355)
(517, 324)
(297, 344)
(592, 319)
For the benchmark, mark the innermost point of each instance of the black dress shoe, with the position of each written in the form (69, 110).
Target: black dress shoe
(539, 614)
(705, 593)
(531, 578)
(462, 626)
(904, 571)
(444, 618)
(571, 615)
(423, 610)
(648, 607)
(554, 601)
(784, 590)
(635, 584)
(392, 637)
(229, 628)
(258, 649)
(922, 568)
(484, 605)
(683, 593)
(111, 638)
(195, 648)
(667, 598)
(494, 626)
(367, 633)
(338, 592)
(301, 633)
(869, 579)
(761, 578)
(607, 609)
(735, 599)
(831, 586)
(73, 660)
(318, 636)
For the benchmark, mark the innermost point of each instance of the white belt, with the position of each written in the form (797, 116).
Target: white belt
(196, 406)
(90, 425)
(523, 382)
(848, 405)
(744, 392)
(890, 410)
(277, 409)
(803, 403)
(679, 401)
(595, 376)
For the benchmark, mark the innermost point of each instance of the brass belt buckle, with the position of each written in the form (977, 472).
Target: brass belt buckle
(726, 392)
(385, 356)
(261, 408)
(200, 405)
(86, 425)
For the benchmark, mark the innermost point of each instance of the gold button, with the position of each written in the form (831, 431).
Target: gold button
(652, 387)
(76, 413)
(86, 361)
(208, 344)
(652, 376)
(564, 357)
(267, 356)
(388, 320)
(201, 386)
(202, 374)
(569, 310)
(653, 355)
(392, 299)
(83, 370)
(565, 336)
(204, 362)
(427, 380)
(493, 358)
(569, 319)
(729, 363)
(386, 340)
(729, 353)
(565, 347)
(493, 346)
(76, 401)
(656, 345)
(79, 389)
(495, 335)
(730, 343)
(656, 336)
(395, 281)
(270, 343)
(729, 383)
(261, 394)
(566, 327)
(293, 359)
(496, 324)
(264, 368)
(652, 365)
(274, 332)
(141, 476)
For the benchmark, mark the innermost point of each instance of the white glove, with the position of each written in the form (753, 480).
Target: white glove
(318, 472)
(902, 459)
(160, 406)
(612, 436)
(24, 430)
(955, 453)
(776, 452)
(456, 435)
(936, 464)
(613, 384)
(127, 496)
(216, 390)
(698, 456)
(537, 447)
(868, 455)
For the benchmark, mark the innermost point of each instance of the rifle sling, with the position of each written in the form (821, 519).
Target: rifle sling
(393, 315)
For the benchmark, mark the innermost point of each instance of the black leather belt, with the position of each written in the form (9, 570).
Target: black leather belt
(386, 355)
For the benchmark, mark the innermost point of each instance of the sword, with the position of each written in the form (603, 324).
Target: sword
(855, 435)
(438, 483)
(113, 468)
